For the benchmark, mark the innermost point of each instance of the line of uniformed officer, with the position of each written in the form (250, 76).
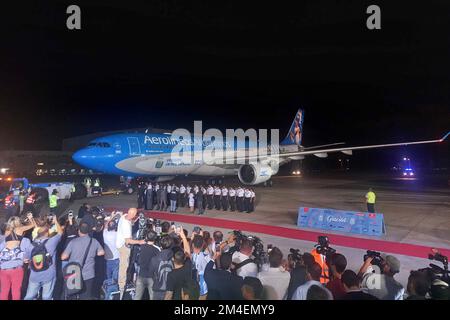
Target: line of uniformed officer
(159, 196)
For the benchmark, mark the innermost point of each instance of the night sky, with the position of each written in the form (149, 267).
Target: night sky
(229, 63)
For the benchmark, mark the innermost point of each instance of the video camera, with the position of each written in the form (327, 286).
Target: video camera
(294, 257)
(377, 260)
(434, 271)
(323, 246)
(258, 246)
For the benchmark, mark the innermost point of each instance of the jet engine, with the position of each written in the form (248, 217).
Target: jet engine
(252, 174)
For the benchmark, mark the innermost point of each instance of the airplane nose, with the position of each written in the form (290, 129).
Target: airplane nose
(80, 157)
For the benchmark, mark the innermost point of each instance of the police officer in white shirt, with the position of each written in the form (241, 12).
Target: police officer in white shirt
(217, 194)
(240, 199)
(252, 200)
(232, 198)
(210, 196)
(224, 198)
(247, 197)
(149, 197)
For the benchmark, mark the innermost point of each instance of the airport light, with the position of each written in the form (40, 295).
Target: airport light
(40, 163)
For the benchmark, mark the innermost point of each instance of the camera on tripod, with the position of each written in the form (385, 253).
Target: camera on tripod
(434, 271)
(294, 257)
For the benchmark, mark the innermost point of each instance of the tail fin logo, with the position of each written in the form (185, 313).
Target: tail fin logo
(295, 133)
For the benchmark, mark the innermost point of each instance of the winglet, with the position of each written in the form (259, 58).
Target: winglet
(445, 137)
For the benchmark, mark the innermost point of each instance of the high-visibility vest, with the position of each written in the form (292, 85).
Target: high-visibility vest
(9, 201)
(72, 189)
(53, 199)
(370, 197)
(31, 199)
(97, 183)
(320, 259)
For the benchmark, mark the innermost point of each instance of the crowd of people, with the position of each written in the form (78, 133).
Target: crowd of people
(125, 255)
(170, 197)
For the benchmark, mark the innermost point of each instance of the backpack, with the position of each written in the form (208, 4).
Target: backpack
(160, 280)
(73, 275)
(40, 260)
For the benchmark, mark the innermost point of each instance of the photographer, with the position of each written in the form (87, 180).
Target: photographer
(337, 263)
(111, 252)
(244, 266)
(41, 254)
(383, 286)
(144, 280)
(313, 274)
(124, 240)
(276, 279)
(298, 264)
(182, 269)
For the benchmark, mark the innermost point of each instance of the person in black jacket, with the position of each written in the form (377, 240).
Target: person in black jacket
(222, 284)
(351, 284)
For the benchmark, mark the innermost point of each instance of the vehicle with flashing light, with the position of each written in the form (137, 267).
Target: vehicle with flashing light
(45, 189)
(408, 172)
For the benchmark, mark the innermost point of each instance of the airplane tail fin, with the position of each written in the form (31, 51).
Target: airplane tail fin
(295, 134)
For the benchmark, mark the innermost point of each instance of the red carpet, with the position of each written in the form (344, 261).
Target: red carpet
(291, 233)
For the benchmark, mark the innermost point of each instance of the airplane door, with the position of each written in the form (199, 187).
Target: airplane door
(135, 147)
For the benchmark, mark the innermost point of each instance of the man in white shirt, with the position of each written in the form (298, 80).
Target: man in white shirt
(124, 239)
(275, 280)
(313, 273)
(242, 262)
(111, 252)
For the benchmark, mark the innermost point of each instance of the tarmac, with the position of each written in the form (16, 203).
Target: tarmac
(415, 212)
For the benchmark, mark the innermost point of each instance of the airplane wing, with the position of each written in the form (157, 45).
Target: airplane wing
(322, 153)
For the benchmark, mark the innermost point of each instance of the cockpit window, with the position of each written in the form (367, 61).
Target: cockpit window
(99, 144)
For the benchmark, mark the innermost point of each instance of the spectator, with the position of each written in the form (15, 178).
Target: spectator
(85, 208)
(190, 290)
(275, 280)
(317, 292)
(145, 277)
(123, 242)
(76, 251)
(252, 289)
(298, 272)
(243, 264)
(217, 240)
(111, 252)
(222, 284)
(353, 291)
(313, 274)
(160, 266)
(181, 273)
(200, 258)
(90, 219)
(383, 286)
(338, 263)
(44, 279)
(418, 286)
(12, 252)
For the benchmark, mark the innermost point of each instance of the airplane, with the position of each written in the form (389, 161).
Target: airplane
(149, 155)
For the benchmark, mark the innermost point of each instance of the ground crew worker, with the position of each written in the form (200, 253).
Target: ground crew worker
(232, 198)
(29, 204)
(53, 201)
(217, 194)
(210, 197)
(247, 197)
(10, 205)
(240, 199)
(370, 199)
(72, 192)
(88, 184)
(224, 198)
(182, 196)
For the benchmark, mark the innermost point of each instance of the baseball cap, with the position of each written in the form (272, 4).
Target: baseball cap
(393, 263)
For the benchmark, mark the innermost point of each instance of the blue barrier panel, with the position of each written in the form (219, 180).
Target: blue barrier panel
(371, 224)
